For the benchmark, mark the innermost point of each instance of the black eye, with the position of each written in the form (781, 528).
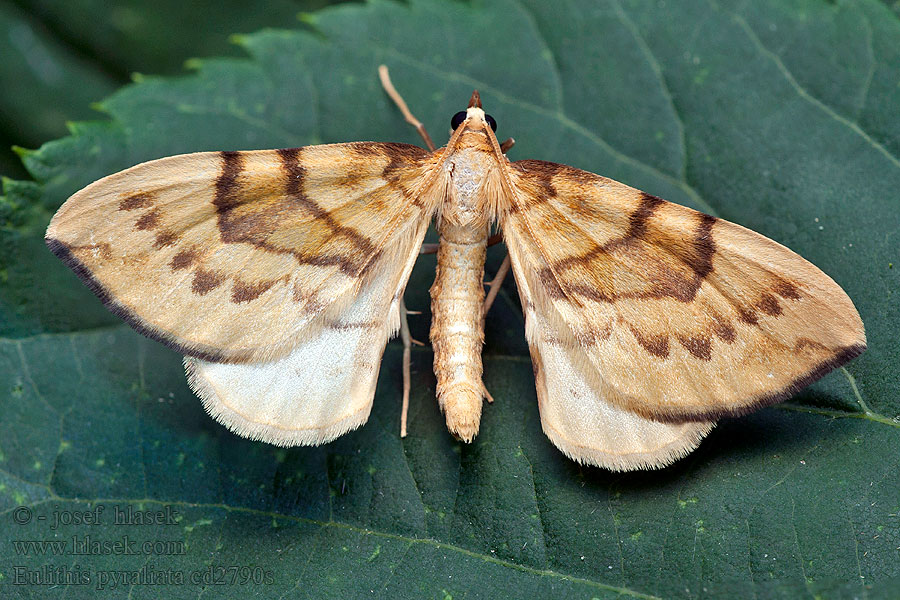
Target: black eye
(457, 119)
(490, 121)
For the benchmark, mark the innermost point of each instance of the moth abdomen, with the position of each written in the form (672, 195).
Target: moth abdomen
(457, 327)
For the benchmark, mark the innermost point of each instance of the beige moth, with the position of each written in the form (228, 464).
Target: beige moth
(279, 274)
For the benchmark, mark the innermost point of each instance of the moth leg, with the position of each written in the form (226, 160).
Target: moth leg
(507, 144)
(487, 395)
(494, 285)
(493, 289)
(401, 104)
(408, 341)
(407, 350)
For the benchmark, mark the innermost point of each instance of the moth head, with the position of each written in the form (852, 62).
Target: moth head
(474, 116)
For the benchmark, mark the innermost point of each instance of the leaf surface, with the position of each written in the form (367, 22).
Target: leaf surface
(778, 116)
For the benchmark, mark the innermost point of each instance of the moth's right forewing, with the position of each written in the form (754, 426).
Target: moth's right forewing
(683, 316)
(230, 256)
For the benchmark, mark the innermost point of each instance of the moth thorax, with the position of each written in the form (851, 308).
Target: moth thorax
(470, 174)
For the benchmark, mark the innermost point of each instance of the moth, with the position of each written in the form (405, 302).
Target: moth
(279, 274)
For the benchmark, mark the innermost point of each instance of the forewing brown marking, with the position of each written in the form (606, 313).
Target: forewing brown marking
(724, 330)
(295, 174)
(593, 336)
(769, 305)
(786, 289)
(551, 285)
(185, 258)
(657, 345)
(165, 238)
(637, 222)
(226, 183)
(148, 220)
(205, 281)
(402, 156)
(139, 200)
(244, 291)
(841, 356)
(699, 346)
(240, 220)
(747, 316)
(368, 150)
(540, 186)
(310, 302)
(665, 281)
(542, 172)
(637, 226)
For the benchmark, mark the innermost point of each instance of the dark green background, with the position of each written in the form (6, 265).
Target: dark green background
(779, 115)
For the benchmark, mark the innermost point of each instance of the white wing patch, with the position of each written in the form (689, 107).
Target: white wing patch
(587, 427)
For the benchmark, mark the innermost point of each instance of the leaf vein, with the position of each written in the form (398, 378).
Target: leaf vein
(657, 70)
(801, 91)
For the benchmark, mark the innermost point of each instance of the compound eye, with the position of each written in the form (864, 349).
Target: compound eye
(490, 121)
(457, 119)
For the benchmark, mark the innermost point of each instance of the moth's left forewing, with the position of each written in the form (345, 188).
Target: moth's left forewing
(682, 315)
(230, 256)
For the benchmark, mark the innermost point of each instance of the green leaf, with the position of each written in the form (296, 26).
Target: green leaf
(779, 116)
(44, 85)
(48, 85)
(133, 35)
(59, 57)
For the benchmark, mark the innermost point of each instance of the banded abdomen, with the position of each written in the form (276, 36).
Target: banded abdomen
(457, 327)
